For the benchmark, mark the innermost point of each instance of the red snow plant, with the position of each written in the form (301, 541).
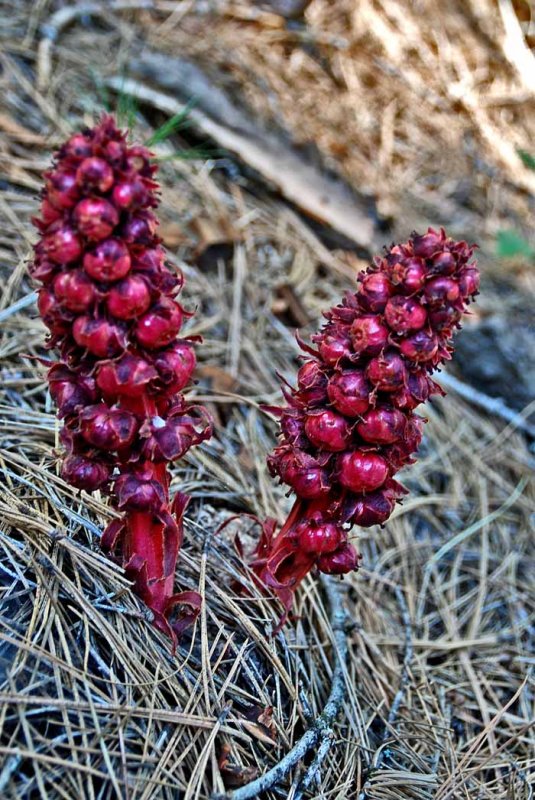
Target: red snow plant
(108, 297)
(350, 424)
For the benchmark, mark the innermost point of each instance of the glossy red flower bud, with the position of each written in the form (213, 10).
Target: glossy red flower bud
(469, 281)
(109, 261)
(404, 314)
(344, 560)
(94, 173)
(443, 263)
(375, 291)
(129, 299)
(151, 264)
(139, 229)
(127, 376)
(424, 246)
(61, 189)
(69, 390)
(349, 392)
(328, 430)
(420, 346)
(107, 429)
(334, 347)
(175, 366)
(368, 335)
(302, 472)
(416, 391)
(115, 153)
(361, 471)
(439, 291)
(100, 337)
(139, 494)
(387, 372)
(382, 426)
(84, 473)
(130, 194)
(77, 147)
(373, 509)
(170, 439)
(312, 383)
(47, 305)
(319, 539)
(74, 290)
(62, 245)
(49, 214)
(95, 218)
(160, 325)
(409, 275)
(444, 319)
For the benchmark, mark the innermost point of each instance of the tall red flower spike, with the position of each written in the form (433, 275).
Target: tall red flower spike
(350, 425)
(108, 299)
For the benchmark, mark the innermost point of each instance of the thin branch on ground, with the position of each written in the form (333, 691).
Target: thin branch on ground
(494, 405)
(398, 699)
(321, 729)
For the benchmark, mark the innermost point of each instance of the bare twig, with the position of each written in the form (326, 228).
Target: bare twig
(65, 17)
(398, 699)
(321, 729)
(19, 305)
(494, 405)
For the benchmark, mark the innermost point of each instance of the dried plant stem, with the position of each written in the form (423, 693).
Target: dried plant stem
(321, 731)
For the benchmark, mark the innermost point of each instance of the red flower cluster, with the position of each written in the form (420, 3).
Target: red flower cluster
(108, 299)
(350, 424)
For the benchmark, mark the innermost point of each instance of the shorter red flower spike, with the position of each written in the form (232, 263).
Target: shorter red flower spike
(350, 425)
(109, 300)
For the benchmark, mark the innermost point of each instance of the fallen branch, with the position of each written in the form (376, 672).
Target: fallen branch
(398, 699)
(325, 199)
(66, 16)
(321, 731)
(494, 405)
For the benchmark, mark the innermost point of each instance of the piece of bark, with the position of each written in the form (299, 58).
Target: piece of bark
(170, 83)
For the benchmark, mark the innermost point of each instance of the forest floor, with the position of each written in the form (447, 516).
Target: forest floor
(316, 133)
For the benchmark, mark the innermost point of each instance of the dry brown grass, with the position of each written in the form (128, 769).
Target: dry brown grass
(438, 702)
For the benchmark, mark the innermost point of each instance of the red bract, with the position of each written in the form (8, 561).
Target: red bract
(108, 300)
(350, 424)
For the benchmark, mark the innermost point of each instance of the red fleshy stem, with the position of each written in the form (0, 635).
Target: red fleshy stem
(108, 297)
(350, 425)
